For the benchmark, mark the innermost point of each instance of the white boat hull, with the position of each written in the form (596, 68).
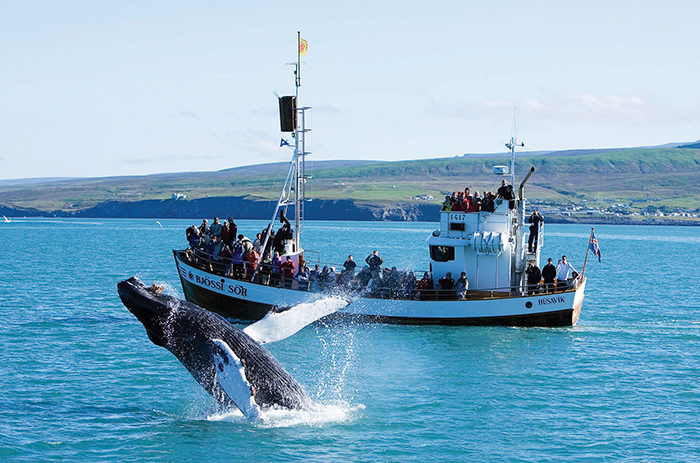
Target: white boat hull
(245, 300)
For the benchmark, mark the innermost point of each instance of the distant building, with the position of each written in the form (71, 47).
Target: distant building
(177, 196)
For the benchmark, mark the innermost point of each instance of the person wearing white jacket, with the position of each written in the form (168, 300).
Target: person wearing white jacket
(564, 268)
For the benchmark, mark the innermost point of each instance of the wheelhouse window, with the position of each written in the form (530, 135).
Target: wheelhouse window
(442, 253)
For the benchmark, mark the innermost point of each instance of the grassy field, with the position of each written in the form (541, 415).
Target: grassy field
(668, 177)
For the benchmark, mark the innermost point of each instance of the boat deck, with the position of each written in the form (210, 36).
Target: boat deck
(223, 268)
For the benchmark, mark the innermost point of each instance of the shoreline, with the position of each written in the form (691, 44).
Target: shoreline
(341, 210)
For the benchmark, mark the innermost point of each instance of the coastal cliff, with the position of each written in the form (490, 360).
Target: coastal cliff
(241, 208)
(341, 210)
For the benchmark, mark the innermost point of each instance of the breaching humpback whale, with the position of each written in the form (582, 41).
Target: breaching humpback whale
(228, 363)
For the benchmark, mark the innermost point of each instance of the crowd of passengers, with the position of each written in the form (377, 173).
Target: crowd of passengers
(237, 256)
(464, 201)
(220, 246)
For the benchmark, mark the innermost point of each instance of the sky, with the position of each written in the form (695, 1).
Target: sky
(103, 88)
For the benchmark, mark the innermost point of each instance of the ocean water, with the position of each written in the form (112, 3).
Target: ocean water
(80, 381)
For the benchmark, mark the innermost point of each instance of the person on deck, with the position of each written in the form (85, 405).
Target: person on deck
(233, 230)
(375, 264)
(303, 276)
(216, 228)
(549, 273)
(506, 192)
(257, 244)
(225, 253)
(265, 268)
(252, 264)
(425, 287)
(461, 204)
(446, 284)
(467, 195)
(324, 279)
(535, 221)
(348, 272)
(237, 261)
(409, 285)
(193, 236)
(246, 244)
(564, 269)
(204, 228)
(226, 233)
(313, 278)
(276, 270)
(332, 281)
(447, 204)
(287, 268)
(473, 205)
(534, 275)
(462, 286)
(214, 247)
(487, 204)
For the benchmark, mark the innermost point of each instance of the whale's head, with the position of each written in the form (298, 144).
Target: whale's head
(151, 309)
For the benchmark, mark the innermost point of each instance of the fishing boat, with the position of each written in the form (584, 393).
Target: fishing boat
(489, 246)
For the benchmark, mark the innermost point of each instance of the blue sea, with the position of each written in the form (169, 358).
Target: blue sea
(81, 382)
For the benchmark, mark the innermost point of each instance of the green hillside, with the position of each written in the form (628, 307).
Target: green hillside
(664, 177)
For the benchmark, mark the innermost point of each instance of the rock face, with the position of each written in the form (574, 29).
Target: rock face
(344, 209)
(244, 208)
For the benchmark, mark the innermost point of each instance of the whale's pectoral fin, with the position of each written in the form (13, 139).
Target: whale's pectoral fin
(278, 326)
(230, 374)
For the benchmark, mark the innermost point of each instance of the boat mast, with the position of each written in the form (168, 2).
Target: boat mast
(300, 152)
(297, 84)
(512, 144)
(296, 176)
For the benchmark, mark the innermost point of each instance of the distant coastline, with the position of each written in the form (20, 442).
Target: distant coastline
(649, 186)
(342, 210)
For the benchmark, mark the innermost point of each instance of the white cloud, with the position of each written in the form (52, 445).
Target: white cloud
(631, 109)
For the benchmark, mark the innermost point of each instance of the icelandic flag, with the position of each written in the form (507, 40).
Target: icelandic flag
(284, 142)
(595, 249)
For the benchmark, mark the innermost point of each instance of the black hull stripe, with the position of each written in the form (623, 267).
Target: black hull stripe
(241, 309)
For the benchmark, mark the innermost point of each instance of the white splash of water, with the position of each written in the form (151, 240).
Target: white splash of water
(278, 326)
(338, 343)
(317, 415)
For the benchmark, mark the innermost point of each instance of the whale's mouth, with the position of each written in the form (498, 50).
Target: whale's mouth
(147, 306)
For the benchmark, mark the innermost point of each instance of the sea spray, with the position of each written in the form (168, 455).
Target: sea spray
(317, 414)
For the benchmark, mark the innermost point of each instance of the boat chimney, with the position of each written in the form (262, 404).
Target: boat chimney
(522, 185)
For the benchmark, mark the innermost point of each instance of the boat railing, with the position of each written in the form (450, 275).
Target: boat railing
(270, 275)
